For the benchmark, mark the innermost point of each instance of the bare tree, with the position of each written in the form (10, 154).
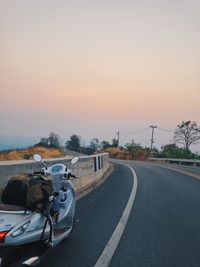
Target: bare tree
(94, 144)
(187, 133)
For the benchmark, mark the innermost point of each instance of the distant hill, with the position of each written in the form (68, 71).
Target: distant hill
(14, 142)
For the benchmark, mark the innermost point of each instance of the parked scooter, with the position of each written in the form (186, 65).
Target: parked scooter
(32, 232)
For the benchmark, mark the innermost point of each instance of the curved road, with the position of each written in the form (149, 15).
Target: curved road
(163, 228)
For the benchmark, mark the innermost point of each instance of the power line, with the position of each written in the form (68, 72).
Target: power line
(162, 141)
(152, 134)
(136, 132)
(165, 130)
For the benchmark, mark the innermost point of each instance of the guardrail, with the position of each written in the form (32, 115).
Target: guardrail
(191, 162)
(90, 170)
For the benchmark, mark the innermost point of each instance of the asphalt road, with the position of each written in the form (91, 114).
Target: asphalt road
(190, 169)
(163, 228)
(97, 215)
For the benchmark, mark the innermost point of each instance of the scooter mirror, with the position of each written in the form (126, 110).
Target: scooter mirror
(74, 160)
(37, 157)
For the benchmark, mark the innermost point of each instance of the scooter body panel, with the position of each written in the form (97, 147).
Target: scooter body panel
(38, 228)
(33, 232)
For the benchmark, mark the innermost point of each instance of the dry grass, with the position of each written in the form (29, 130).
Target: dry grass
(29, 152)
(117, 153)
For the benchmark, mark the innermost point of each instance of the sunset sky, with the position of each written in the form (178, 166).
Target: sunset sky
(97, 67)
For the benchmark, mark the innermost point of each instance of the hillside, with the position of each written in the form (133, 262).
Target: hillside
(28, 153)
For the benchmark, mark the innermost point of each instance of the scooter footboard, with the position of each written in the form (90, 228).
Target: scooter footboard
(66, 215)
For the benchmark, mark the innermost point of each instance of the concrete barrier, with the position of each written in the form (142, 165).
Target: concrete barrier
(91, 170)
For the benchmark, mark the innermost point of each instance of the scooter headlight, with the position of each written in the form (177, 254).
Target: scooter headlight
(20, 230)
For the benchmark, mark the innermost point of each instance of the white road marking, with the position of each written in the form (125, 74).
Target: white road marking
(112, 244)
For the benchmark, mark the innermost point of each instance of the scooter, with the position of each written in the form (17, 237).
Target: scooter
(33, 232)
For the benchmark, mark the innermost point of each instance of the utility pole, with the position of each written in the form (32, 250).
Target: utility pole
(152, 140)
(118, 139)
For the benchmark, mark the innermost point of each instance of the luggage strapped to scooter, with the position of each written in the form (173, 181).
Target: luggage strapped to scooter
(27, 190)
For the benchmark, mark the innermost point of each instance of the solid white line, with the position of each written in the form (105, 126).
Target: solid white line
(112, 244)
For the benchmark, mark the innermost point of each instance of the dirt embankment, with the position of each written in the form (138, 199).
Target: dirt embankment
(20, 154)
(117, 153)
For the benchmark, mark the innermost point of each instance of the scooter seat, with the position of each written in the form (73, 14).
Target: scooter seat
(11, 207)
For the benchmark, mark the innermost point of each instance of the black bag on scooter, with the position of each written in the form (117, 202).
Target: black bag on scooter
(27, 190)
(15, 191)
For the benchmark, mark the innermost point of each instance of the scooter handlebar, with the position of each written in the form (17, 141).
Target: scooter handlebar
(73, 176)
(41, 172)
(69, 175)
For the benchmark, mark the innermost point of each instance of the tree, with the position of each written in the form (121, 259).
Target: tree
(187, 133)
(133, 148)
(136, 150)
(43, 142)
(94, 144)
(173, 151)
(74, 143)
(93, 147)
(169, 151)
(105, 144)
(115, 142)
(54, 140)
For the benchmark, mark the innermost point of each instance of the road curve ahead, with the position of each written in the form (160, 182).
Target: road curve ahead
(97, 216)
(164, 226)
(163, 229)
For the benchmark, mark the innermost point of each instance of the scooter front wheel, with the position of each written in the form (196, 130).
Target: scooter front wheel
(11, 255)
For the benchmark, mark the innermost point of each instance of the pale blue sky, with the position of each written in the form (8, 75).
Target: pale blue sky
(96, 67)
